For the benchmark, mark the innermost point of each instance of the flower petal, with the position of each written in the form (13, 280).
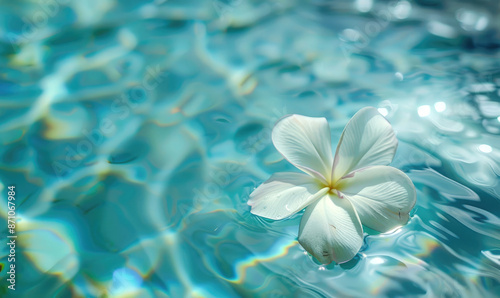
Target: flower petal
(306, 143)
(382, 196)
(284, 194)
(330, 230)
(367, 140)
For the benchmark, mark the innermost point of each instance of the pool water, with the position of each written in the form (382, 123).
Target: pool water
(134, 132)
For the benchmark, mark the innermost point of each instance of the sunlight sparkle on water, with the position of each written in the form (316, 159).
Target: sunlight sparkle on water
(424, 111)
(377, 261)
(364, 5)
(485, 148)
(440, 106)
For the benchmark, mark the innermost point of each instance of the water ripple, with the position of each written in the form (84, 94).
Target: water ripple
(135, 131)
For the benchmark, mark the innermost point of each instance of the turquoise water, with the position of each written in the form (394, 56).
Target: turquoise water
(134, 131)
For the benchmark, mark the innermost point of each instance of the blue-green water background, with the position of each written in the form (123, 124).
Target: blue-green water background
(134, 132)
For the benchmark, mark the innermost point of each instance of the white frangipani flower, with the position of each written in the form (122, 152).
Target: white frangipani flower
(356, 186)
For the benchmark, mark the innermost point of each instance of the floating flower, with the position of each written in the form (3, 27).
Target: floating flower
(339, 193)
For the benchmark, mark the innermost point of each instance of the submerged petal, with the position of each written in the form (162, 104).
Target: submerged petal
(382, 196)
(284, 194)
(330, 230)
(306, 143)
(367, 140)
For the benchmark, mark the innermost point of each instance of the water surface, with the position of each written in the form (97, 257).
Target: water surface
(134, 132)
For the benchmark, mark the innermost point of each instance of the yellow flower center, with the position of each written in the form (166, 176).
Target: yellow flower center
(332, 186)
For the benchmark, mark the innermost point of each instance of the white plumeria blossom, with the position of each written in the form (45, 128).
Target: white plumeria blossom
(339, 193)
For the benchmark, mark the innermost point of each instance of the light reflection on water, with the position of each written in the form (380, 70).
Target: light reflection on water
(135, 131)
